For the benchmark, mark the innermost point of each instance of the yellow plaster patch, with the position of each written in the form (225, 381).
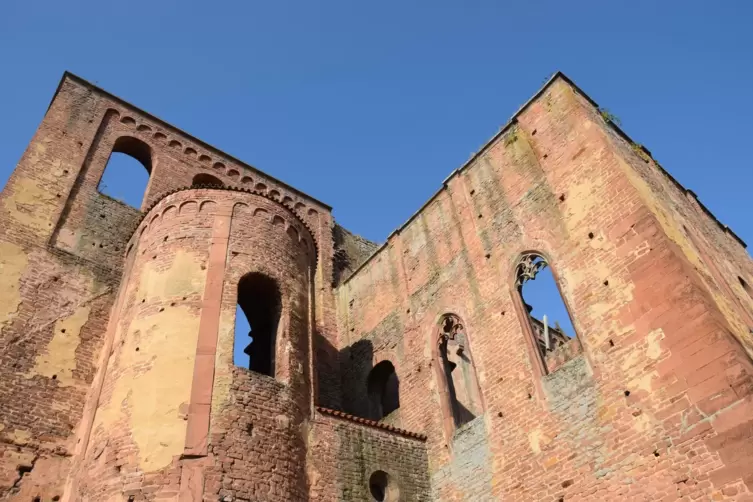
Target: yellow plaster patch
(643, 382)
(29, 204)
(13, 262)
(60, 356)
(642, 423)
(549, 462)
(631, 360)
(155, 381)
(19, 436)
(18, 458)
(182, 278)
(654, 344)
(583, 200)
(538, 440)
(606, 414)
(653, 351)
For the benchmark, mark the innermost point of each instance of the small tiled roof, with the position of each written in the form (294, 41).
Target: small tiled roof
(370, 423)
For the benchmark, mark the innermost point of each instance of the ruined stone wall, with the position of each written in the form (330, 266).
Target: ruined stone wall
(140, 422)
(641, 413)
(258, 421)
(62, 249)
(120, 328)
(170, 383)
(351, 251)
(717, 261)
(343, 455)
(53, 313)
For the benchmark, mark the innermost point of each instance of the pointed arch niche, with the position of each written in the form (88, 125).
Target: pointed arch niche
(457, 374)
(546, 319)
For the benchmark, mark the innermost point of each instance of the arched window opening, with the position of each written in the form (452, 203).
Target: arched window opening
(383, 388)
(204, 179)
(126, 175)
(383, 488)
(549, 319)
(257, 317)
(459, 372)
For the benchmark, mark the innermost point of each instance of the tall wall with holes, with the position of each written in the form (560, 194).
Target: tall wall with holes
(652, 397)
(413, 371)
(117, 379)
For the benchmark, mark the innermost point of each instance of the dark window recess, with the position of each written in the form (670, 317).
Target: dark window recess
(383, 488)
(459, 371)
(204, 179)
(546, 311)
(260, 303)
(383, 390)
(126, 175)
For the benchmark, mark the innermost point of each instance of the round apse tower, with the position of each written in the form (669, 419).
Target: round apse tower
(173, 404)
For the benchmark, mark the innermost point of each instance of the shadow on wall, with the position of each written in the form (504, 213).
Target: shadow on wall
(368, 390)
(327, 367)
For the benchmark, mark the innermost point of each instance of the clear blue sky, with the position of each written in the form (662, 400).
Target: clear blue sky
(368, 106)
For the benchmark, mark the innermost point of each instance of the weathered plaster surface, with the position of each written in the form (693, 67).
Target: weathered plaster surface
(13, 261)
(156, 360)
(157, 357)
(58, 360)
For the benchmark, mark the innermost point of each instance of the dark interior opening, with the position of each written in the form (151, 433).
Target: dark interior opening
(383, 390)
(206, 180)
(378, 485)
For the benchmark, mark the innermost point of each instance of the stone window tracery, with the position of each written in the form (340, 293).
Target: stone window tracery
(555, 344)
(461, 386)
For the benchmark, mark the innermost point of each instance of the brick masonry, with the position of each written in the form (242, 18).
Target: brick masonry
(116, 325)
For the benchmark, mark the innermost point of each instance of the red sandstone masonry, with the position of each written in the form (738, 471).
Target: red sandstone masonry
(370, 423)
(579, 436)
(657, 407)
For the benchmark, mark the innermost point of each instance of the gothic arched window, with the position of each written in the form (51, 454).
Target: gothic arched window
(547, 315)
(461, 386)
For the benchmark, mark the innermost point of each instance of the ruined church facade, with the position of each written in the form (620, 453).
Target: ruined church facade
(410, 371)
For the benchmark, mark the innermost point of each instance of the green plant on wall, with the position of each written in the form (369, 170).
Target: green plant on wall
(511, 137)
(642, 153)
(609, 116)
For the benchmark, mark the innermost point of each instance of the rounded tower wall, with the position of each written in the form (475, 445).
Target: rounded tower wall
(257, 419)
(171, 388)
